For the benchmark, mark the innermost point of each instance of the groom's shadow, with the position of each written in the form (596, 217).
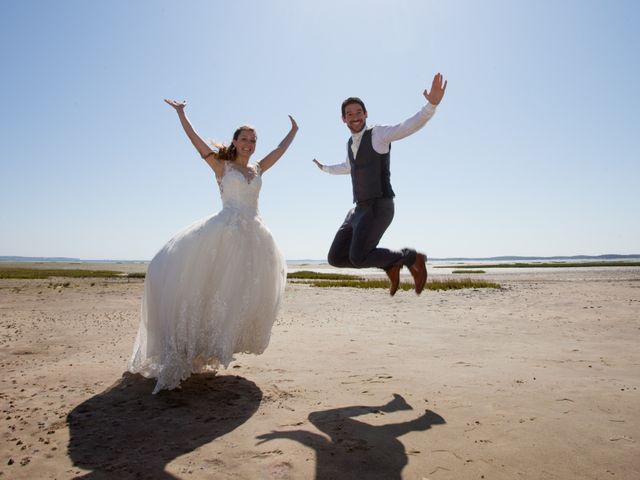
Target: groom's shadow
(356, 449)
(125, 432)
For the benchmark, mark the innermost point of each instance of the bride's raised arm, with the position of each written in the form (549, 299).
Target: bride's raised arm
(205, 151)
(267, 162)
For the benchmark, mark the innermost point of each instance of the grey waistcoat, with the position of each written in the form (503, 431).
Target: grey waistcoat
(370, 174)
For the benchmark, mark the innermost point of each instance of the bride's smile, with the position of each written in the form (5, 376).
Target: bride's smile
(246, 143)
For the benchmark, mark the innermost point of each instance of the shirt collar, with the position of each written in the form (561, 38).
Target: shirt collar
(358, 135)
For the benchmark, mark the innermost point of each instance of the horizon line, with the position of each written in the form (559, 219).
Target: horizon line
(26, 259)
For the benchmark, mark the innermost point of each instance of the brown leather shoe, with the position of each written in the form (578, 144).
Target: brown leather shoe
(393, 272)
(419, 272)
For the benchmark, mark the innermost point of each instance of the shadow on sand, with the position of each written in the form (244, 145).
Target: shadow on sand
(355, 449)
(125, 432)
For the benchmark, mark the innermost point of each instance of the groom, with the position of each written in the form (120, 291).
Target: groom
(368, 153)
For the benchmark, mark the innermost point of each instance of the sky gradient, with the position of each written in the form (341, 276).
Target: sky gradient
(533, 151)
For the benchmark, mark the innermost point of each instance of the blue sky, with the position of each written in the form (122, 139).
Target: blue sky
(534, 150)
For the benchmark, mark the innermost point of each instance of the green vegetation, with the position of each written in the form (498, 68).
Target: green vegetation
(308, 275)
(546, 265)
(312, 278)
(460, 283)
(448, 284)
(33, 273)
(136, 275)
(43, 273)
(353, 281)
(468, 271)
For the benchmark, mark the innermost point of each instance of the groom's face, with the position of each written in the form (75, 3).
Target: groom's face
(354, 117)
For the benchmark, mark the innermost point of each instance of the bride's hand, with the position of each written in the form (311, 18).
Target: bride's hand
(177, 105)
(294, 125)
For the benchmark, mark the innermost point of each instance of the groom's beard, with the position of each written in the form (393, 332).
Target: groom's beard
(357, 127)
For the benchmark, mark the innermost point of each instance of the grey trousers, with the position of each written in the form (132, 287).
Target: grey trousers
(356, 242)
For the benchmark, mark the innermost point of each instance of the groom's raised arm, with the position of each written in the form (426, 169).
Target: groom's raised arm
(383, 135)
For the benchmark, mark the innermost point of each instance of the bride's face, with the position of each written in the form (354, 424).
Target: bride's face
(245, 143)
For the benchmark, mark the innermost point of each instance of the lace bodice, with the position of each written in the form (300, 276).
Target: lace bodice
(239, 192)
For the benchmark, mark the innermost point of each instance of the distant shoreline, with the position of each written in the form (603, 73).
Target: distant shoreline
(572, 258)
(436, 266)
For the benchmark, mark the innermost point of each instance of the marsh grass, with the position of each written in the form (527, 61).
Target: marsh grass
(447, 284)
(330, 280)
(311, 278)
(136, 275)
(545, 265)
(468, 271)
(308, 275)
(43, 273)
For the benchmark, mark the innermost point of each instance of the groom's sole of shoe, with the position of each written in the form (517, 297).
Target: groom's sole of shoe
(419, 272)
(393, 272)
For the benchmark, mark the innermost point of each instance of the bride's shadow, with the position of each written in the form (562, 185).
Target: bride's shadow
(356, 449)
(125, 432)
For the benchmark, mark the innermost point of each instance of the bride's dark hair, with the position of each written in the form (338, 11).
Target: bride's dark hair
(229, 152)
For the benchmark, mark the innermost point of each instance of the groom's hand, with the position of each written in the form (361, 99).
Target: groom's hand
(434, 97)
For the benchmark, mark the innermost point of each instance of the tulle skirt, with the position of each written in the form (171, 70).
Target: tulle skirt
(213, 290)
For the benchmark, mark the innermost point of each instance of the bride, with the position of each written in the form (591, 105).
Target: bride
(215, 288)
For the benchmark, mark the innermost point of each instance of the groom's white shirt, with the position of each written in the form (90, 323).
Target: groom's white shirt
(382, 136)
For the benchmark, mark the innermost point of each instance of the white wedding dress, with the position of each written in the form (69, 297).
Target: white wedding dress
(213, 290)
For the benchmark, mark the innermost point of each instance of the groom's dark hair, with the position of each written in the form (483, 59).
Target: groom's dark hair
(351, 100)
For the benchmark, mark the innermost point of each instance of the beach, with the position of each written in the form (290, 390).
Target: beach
(539, 379)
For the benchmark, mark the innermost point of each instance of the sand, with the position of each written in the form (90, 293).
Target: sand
(538, 380)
